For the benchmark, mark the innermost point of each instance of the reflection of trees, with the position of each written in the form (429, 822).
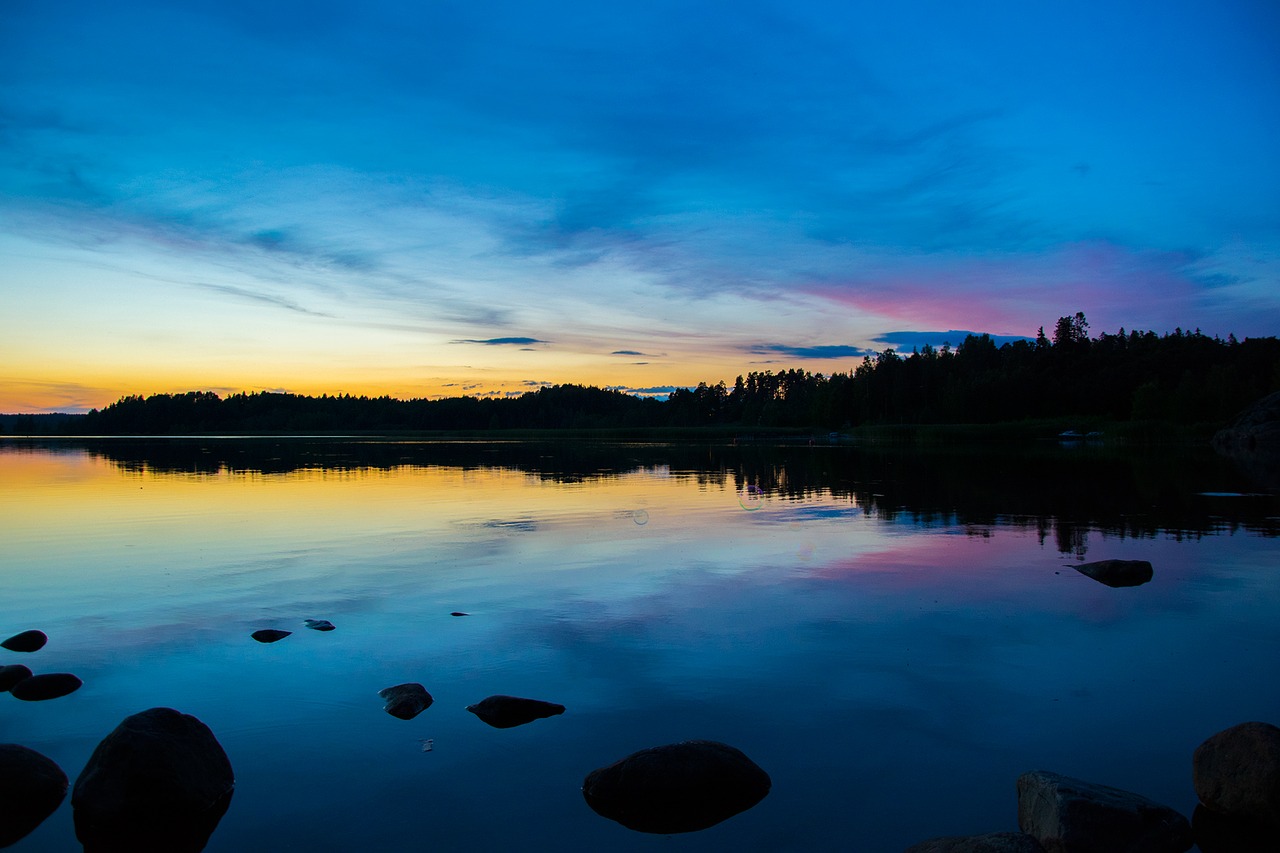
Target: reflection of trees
(1058, 492)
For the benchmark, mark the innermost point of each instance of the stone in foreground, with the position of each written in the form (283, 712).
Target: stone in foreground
(995, 842)
(31, 788)
(1069, 815)
(319, 624)
(1118, 573)
(50, 685)
(1220, 833)
(159, 782)
(680, 787)
(11, 675)
(27, 641)
(504, 712)
(406, 701)
(270, 635)
(1237, 773)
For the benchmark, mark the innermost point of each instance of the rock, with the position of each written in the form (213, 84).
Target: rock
(27, 641)
(270, 635)
(31, 788)
(1255, 428)
(459, 613)
(12, 674)
(1219, 833)
(1237, 772)
(504, 712)
(1118, 573)
(996, 842)
(1073, 816)
(680, 787)
(159, 782)
(406, 701)
(50, 685)
(319, 624)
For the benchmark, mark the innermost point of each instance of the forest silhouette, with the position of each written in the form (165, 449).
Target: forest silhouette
(1184, 378)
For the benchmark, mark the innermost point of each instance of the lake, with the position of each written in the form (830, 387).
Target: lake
(894, 635)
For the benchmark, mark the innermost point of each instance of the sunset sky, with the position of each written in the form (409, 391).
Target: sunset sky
(438, 198)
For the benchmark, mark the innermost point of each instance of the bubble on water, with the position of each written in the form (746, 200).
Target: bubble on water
(640, 517)
(751, 498)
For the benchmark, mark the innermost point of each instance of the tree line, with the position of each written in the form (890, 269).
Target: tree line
(1179, 377)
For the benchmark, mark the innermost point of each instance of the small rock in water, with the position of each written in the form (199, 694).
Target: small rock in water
(51, 685)
(27, 641)
(504, 712)
(459, 613)
(270, 635)
(680, 787)
(1118, 573)
(12, 674)
(406, 701)
(319, 624)
(32, 787)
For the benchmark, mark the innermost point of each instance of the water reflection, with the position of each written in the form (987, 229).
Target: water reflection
(881, 626)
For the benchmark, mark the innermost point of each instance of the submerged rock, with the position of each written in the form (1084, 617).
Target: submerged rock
(12, 674)
(504, 712)
(1237, 772)
(27, 641)
(270, 635)
(996, 842)
(1073, 816)
(50, 685)
(32, 787)
(159, 782)
(1117, 573)
(406, 701)
(680, 787)
(319, 624)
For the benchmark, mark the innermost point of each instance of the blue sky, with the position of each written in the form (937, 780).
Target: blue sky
(415, 198)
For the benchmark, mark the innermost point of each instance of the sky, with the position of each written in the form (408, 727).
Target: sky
(430, 199)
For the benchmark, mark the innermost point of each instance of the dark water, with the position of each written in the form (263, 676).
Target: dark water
(894, 636)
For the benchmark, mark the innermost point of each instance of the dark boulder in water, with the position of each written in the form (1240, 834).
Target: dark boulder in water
(12, 674)
(504, 712)
(1237, 773)
(680, 787)
(459, 613)
(27, 641)
(50, 685)
(159, 782)
(270, 635)
(406, 701)
(32, 787)
(1069, 815)
(319, 624)
(1118, 573)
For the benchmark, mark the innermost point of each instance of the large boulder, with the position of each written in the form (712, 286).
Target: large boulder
(504, 712)
(996, 842)
(27, 641)
(1237, 772)
(1219, 833)
(49, 685)
(31, 788)
(159, 782)
(1073, 816)
(1117, 573)
(680, 787)
(406, 701)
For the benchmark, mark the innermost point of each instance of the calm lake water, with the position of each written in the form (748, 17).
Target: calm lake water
(894, 636)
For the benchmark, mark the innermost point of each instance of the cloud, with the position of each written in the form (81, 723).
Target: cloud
(626, 352)
(903, 340)
(496, 342)
(813, 352)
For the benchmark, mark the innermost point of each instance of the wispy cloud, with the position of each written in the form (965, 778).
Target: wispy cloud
(829, 351)
(498, 342)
